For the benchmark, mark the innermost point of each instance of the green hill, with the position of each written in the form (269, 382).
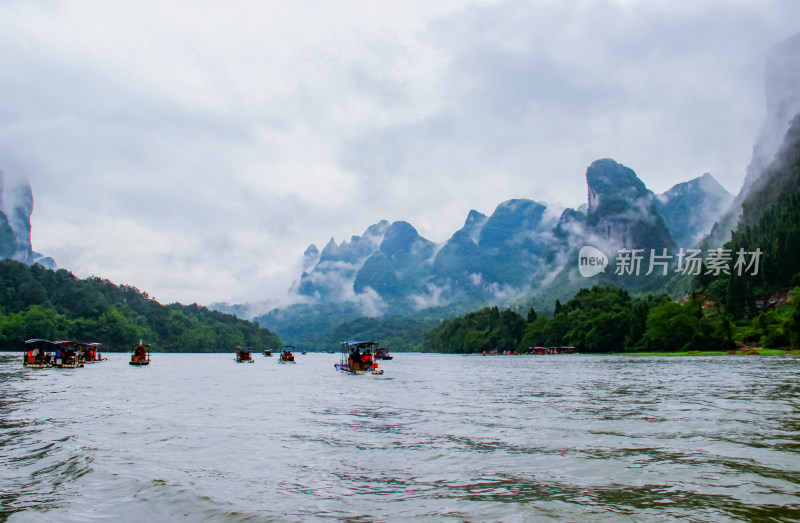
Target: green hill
(36, 302)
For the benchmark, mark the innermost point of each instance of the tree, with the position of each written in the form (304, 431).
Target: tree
(671, 326)
(792, 327)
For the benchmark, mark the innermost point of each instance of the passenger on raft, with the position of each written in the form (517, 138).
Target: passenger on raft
(355, 359)
(366, 360)
(39, 356)
(139, 355)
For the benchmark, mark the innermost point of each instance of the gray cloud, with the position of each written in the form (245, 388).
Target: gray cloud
(194, 151)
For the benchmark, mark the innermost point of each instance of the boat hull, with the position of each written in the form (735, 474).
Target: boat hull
(37, 365)
(346, 369)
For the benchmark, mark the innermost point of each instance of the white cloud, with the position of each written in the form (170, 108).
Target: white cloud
(194, 150)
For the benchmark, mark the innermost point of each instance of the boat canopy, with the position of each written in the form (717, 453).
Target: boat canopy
(40, 344)
(359, 343)
(93, 345)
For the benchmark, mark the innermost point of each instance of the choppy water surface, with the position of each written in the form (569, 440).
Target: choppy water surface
(198, 437)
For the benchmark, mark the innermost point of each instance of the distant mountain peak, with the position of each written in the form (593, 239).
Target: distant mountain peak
(608, 181)
(622, 211)
(691, 208)
(16, 207)
(311, 257)
(473, 224)
(401, 239)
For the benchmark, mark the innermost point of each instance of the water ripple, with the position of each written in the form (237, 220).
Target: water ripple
(437, 438)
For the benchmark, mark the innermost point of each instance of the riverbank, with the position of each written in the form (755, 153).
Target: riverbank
(748, 351)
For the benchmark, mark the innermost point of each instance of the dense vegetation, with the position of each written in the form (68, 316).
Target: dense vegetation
(770, 223)
(41, 303)
(485, 329)
(607, 319)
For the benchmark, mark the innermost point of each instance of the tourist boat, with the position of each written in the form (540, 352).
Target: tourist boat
(550, 350)
(382, 354)
(356, 358)
(286, 355)
(38, 354)
(140, 355)
(267, 352)
(65, 356)
(243, 355)
(89, 352)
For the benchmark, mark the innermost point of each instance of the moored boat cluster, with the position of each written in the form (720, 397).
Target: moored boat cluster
(66, 354)
(61, 354)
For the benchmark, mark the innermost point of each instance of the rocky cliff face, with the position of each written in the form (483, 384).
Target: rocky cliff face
(622, 211)
(16, 206)
(494, 256)
(399, 267)
(488, 256)
(331, 277)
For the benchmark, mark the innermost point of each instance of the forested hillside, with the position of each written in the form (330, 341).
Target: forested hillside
(608, 319)
(770, 223)
(36, 302)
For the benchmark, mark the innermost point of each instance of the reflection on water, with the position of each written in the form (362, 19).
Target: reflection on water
(437, 437)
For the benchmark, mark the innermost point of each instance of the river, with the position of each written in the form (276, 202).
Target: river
(198, 437)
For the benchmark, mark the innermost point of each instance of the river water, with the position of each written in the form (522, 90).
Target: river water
(198, 437)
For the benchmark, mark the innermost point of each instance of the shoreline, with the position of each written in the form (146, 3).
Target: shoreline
(747, 351)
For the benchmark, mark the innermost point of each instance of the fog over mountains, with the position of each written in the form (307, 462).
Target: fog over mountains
(517, 250)
(523, 254)
(16, 206)
(526, 251)
(782, 92)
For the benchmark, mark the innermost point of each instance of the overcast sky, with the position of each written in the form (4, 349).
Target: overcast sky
(195, 148)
